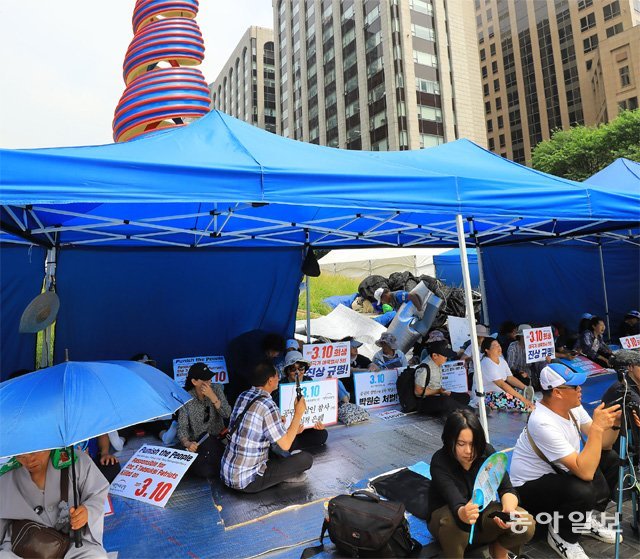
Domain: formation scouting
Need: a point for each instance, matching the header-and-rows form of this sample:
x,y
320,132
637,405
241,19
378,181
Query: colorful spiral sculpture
x,y
160,92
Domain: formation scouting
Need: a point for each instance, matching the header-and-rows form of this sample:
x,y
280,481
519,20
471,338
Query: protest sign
x,y
376,389
581,364
454,376
108,506
217,364
390,414
539,344
458,331
630,342
152,474
321,397
328,360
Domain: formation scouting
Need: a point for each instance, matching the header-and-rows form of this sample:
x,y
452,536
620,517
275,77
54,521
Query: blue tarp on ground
x,y
449,268
21,276
171,303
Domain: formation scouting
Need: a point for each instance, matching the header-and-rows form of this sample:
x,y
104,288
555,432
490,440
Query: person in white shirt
x,y
553,475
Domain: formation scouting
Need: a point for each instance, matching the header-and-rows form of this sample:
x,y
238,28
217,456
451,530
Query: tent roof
x,y
621,174
362,254
221,181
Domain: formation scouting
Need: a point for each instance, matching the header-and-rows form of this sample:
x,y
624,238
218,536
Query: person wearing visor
x,y
551,472
201,420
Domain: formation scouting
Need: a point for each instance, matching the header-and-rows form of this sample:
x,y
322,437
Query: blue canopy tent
x,y
221,183
449,269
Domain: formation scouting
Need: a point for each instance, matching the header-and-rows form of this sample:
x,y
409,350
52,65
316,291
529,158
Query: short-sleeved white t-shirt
x,y
555,436
492,372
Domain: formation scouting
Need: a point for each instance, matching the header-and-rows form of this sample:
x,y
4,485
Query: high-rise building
x,y
377,74
539,62
246,86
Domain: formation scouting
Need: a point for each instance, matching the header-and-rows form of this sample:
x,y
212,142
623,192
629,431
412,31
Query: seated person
x,y
359,363
465,352
517,357
246,465
200,416
499,384
592,344
507,334
292,345
563,342
106,462
451,511
432,398
32,492
296,366
553,475
389,357
630,326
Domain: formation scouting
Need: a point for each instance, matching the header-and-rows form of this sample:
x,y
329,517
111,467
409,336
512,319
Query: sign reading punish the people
x,y
376,389
152,474
216,363
321,398
328,360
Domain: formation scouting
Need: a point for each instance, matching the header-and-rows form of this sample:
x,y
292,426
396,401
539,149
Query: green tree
x,y
581,151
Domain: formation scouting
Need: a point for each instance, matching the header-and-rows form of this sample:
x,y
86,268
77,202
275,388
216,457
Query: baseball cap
x,y
355,343
200,371
441,347
389,339
377,295
587,315
634,314
294,357
292,344
435,336
482,330
522,328
557,374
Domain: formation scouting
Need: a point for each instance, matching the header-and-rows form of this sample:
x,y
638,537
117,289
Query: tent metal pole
x,y
46,358
604,286
468,298
483,289
307,289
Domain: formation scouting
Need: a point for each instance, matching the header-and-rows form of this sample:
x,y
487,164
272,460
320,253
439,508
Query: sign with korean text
x,y
582,364
152,474
216,363
454,376
458,331
630,342
321,397
328,360
376,389
539,344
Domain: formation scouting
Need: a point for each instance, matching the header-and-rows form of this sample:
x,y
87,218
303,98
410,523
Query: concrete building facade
x,y
246,86
377,74
542,66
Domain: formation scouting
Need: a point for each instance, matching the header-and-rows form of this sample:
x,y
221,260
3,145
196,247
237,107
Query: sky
x,y
62,63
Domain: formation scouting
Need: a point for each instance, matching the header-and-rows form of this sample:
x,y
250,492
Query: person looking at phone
x,y
551,472
451,511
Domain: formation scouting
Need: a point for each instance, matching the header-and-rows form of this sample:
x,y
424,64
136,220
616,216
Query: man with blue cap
x,y
554,476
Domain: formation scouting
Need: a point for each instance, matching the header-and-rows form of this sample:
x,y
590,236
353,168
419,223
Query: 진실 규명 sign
x,y
321,397
328,360
152,474
539,344
216,363
376,389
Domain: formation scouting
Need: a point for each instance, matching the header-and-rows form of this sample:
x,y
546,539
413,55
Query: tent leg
x,y
307,289
46,358
483,288
604,288
475,350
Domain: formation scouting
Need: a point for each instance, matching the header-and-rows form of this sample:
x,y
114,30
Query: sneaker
x,y
601,531
529,393
297,479
563,548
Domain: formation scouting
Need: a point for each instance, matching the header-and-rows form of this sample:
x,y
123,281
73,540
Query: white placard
x,y
108,506
376,389
216,363
390,414
454,376
538,344
321,397
630,342
328,360
458,331
152,474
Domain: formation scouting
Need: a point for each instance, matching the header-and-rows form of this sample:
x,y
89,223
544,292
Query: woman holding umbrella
x,y
35,491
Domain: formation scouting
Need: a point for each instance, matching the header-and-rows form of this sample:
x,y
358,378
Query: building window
x,y
625,77
492,49
422,32
611,10
614,30
483,55
429,113
422,6
583,4
630,104
498,103
485,89
494,67
487,107
502,141
590,43
425,58
496,85
500,122
492,144
484,71
429,140
489,125
588,21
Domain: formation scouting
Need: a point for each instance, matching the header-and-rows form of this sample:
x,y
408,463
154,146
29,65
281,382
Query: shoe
x,y
117,442
529,393
297,479
601,531
169,436
563,548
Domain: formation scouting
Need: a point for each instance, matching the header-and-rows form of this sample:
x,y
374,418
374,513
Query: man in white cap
x,y
553,476
395,299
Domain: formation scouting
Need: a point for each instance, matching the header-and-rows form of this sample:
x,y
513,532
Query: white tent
x,y
362,262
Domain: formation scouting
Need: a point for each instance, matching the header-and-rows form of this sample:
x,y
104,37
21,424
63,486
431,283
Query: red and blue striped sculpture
x,y
161,92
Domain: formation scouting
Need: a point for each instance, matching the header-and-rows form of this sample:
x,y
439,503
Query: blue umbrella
x,y
75,401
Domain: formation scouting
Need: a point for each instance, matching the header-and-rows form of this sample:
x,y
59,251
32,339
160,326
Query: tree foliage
x,y
581,151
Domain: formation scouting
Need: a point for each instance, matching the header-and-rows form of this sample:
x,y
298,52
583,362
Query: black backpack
x,y
363,525
406,387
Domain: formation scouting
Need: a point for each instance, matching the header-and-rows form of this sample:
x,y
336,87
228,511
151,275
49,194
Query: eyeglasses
x,y
299,367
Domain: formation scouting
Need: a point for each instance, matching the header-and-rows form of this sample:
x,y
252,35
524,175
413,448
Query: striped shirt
x,y
247,453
